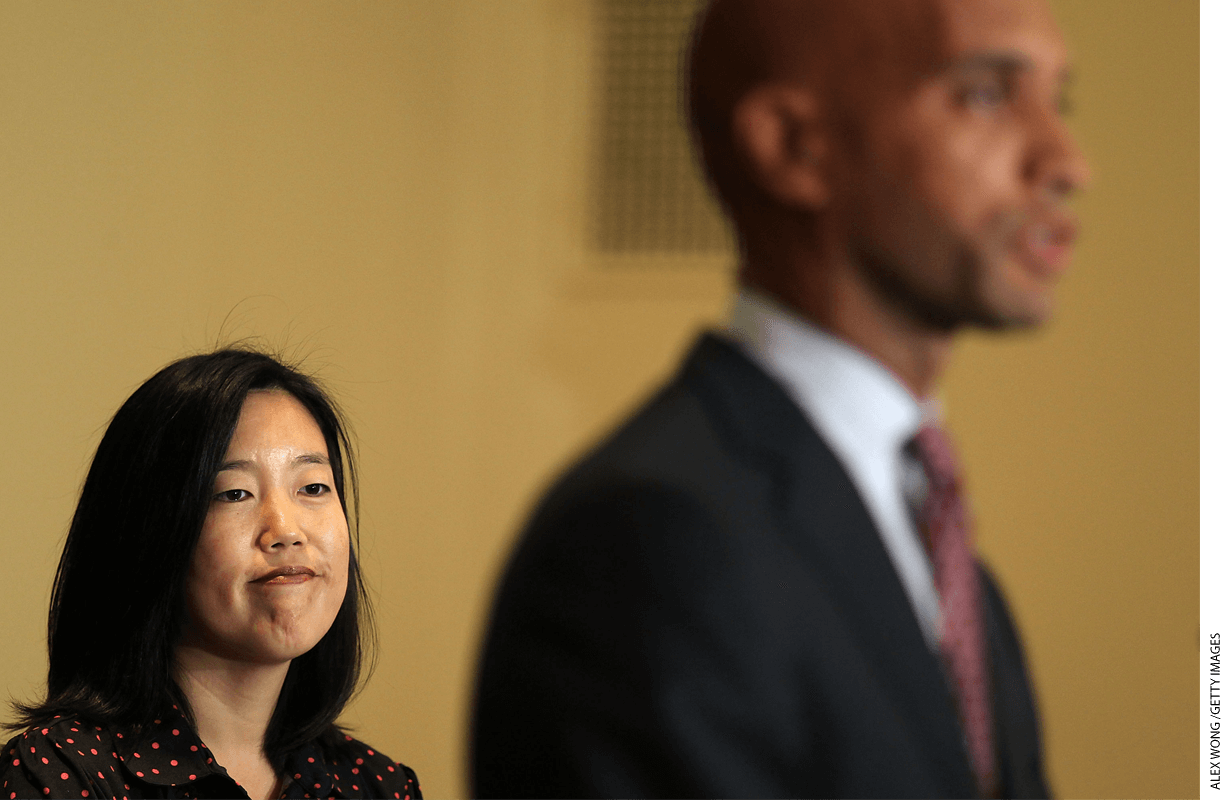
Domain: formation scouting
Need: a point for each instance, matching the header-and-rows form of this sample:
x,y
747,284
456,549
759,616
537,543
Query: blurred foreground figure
x,y
762,584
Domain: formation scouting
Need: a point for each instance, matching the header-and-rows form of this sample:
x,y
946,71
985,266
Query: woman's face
x,y
269,572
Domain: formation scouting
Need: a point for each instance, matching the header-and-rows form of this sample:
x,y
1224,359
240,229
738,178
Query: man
x,y
761,585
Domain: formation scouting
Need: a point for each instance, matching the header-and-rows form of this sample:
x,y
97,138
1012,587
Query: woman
x,y
208,616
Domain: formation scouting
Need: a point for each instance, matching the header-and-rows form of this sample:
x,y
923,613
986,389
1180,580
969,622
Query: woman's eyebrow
x,y
304,458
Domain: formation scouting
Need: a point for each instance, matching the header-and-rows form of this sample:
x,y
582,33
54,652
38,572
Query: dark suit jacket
x,y
702,607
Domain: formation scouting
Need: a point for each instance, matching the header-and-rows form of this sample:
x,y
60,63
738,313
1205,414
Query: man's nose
x,y
1056,162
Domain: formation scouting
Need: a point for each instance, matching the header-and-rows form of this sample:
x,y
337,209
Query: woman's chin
x,y
285,642
264,646
272,631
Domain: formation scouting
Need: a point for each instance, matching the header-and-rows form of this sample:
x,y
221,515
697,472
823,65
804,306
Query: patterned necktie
x,y
959,587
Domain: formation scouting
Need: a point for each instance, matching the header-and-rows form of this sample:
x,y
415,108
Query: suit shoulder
x,y
678,440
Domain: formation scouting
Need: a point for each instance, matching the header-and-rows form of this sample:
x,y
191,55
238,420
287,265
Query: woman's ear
x,y
778,137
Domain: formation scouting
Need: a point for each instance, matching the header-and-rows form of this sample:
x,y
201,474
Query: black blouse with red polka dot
x,y
69,759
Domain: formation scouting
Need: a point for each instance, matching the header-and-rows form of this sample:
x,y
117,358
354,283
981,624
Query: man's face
x,y
956,181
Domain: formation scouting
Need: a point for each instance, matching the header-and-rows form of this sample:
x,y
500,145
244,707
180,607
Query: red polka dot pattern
x,y
38,764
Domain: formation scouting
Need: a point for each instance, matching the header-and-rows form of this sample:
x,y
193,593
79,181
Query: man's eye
x,y
984,96
315,489
232,495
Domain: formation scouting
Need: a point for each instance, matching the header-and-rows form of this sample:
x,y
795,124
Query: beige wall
x,y
396,190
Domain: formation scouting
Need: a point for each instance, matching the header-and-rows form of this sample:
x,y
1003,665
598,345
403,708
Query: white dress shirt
x,y
865,416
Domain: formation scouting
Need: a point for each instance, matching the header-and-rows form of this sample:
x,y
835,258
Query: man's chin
x,y
1022,312
1012,298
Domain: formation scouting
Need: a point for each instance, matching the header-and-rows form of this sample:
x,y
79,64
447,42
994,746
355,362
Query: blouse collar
x,y
170,753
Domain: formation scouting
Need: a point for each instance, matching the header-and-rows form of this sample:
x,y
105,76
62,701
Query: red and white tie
x,y
947,532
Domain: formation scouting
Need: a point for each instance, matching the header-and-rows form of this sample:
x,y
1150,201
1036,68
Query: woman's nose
x,y
279,526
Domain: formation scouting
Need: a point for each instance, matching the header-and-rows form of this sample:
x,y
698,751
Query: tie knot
x,y
936,454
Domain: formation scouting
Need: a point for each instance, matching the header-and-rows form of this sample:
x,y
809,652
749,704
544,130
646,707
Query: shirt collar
x,y
852,399
166,753
169,753
306,767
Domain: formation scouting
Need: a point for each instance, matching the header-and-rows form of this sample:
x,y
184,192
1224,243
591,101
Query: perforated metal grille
x,y
648,192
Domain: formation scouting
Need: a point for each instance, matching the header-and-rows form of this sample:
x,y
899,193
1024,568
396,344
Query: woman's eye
x,y
315,489
232,495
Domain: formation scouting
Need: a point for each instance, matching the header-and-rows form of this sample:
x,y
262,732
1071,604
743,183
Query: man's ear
x,y
779,139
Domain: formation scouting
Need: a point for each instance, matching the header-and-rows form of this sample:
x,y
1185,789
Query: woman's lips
x,y
286,575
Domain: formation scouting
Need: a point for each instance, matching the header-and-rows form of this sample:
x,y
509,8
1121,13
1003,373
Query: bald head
x,y
836,49
740,43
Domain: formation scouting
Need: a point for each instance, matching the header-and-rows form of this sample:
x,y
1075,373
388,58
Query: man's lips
x,y
1046,242
282,575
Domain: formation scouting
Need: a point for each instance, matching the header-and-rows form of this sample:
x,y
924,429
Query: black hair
x,y
117,605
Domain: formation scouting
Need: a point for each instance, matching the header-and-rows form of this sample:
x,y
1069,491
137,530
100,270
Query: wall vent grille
x,y
649,196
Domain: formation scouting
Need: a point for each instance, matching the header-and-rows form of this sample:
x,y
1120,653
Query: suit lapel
x,y
1016,725
827,524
